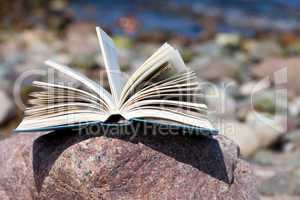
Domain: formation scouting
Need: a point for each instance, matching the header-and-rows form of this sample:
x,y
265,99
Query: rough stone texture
x,y
64,165
16,174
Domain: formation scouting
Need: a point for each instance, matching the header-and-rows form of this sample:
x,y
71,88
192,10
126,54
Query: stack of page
x,y
161,92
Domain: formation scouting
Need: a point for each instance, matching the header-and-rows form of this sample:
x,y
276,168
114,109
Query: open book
x,y
162,91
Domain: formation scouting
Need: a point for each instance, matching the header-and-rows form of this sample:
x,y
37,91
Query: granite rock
x,y
64,165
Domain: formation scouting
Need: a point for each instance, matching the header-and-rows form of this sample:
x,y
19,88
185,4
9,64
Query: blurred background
x,y
233,44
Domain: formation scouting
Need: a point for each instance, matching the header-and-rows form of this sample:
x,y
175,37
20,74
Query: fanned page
x,y
163,89
109,54
92,85
175,100
164,55
60,105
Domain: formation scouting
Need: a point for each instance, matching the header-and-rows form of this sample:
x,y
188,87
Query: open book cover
x,y
162,91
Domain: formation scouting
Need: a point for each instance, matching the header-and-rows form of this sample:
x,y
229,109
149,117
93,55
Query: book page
x,y
171,97
43,114
95,87
62,118
115,77
165,56
58,105
160,114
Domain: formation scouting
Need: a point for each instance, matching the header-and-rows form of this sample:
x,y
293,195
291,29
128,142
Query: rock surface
x,y
64,165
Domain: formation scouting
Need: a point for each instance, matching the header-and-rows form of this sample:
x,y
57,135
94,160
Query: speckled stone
x,y
64,165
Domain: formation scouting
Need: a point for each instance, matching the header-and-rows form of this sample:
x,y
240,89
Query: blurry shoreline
x,y
245,17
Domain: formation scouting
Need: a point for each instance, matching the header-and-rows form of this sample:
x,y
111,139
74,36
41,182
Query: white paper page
x,y
165,53
167,115
84,80
115,77
63,119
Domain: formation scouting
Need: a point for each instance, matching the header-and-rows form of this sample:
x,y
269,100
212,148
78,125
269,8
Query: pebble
x,y
214,68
